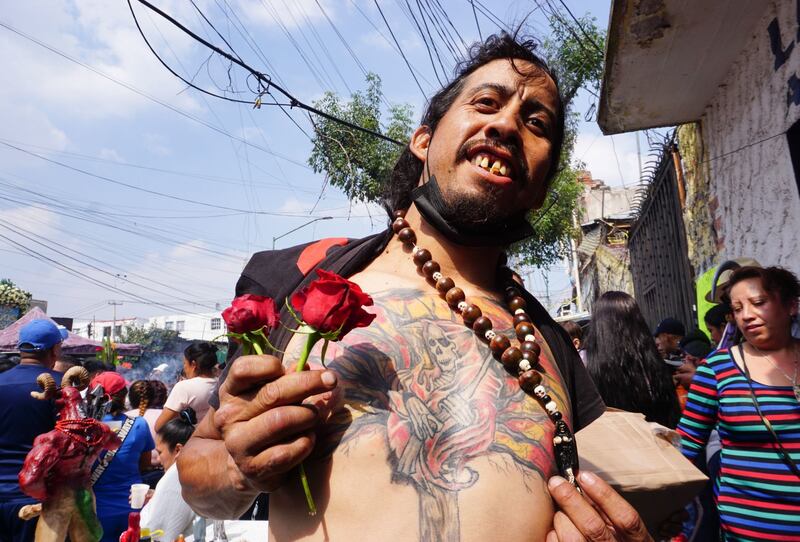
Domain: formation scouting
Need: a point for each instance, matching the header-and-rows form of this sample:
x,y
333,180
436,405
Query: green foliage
x,y
153,340
358,163
576,60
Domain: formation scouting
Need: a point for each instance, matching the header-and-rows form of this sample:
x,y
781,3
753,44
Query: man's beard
x,y
478,211
470,221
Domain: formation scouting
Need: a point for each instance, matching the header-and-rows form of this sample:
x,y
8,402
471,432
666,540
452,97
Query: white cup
x,y
138,495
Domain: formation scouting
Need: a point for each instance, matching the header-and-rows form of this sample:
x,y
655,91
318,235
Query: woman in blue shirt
x,y
112,488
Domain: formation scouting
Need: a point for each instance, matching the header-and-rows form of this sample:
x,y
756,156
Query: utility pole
x,y
576,275
114,325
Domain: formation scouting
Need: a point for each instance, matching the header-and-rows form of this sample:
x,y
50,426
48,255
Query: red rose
x,y
331,303
250,312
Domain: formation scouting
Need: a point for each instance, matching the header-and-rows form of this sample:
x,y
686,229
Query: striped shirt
x,y
757,494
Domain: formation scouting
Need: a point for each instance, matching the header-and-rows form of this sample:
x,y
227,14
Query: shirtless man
x,y
415,432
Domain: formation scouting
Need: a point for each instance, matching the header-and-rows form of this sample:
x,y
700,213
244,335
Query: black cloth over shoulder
x,y
277,274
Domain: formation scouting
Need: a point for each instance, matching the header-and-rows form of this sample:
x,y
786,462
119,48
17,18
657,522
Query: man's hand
x,y
267,418
612,518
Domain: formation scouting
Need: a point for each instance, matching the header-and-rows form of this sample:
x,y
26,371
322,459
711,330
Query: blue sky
x,y
234,177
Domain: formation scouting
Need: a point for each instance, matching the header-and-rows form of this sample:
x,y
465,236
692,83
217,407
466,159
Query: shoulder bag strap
x,y
103,464
786,457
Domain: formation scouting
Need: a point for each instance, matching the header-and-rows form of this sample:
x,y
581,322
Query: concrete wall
x,y
753,194
698,215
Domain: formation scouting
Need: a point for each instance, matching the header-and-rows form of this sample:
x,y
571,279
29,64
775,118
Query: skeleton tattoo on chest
x,y
421,379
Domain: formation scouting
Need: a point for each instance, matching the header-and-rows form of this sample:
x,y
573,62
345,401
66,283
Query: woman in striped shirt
x,y
752,394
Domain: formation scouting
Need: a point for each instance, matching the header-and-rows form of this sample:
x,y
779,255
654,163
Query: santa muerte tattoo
x,y
433,388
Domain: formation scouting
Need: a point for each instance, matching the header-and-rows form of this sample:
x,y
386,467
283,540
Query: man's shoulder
x,y
26,374
271,272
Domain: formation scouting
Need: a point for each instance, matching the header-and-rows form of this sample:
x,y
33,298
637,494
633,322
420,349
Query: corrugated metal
x,y
590,242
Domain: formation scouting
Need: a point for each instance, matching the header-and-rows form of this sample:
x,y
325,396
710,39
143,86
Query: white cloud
x,y
606,158
99,34
157,144
111,154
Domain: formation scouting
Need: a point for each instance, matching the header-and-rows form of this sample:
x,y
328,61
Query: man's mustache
x,y
512,149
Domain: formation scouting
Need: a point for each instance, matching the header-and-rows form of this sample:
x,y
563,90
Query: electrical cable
x,y
580,26
146,190
405,59
265,79
18,230
194,176
425,41
147,96
76,273
475,15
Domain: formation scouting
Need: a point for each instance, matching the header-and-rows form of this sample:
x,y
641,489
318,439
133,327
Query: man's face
x,y
491,150
667,343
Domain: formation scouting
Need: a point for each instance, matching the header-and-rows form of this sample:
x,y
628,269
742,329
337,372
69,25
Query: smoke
x,y
151,367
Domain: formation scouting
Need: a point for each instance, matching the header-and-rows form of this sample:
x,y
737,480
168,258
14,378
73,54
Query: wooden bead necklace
x,y
522,360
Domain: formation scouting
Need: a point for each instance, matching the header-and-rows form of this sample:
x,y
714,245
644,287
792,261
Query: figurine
x,y
57,470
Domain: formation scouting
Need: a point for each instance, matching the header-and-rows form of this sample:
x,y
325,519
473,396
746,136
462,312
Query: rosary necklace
x,y
522,360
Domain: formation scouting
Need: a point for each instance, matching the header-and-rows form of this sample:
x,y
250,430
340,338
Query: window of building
x,y
179,325
117,331
106,331
216,323
169,325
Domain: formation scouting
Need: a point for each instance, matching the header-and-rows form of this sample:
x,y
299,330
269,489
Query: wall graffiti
x,y
781,54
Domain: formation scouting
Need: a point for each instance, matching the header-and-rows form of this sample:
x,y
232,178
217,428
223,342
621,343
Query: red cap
x,y
112,382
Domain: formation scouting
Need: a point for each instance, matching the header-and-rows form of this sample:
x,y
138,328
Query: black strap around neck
x,y
786,457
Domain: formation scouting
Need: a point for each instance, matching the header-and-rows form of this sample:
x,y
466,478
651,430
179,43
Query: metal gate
x,y
662,277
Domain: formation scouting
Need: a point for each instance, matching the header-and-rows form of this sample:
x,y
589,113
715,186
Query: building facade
x,y
737,107
195,327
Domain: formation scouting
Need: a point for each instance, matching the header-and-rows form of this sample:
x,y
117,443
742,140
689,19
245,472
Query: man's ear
x,y
420,140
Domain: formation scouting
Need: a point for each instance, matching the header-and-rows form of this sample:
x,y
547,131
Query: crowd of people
x,y
152,423
733,396
430,423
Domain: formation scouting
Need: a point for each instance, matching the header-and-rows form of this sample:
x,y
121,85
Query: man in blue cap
x,y
23,418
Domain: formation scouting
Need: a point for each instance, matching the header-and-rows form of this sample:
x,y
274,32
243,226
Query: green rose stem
x,y
311,340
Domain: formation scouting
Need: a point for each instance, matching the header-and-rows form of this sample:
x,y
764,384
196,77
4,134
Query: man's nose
x,y
503,126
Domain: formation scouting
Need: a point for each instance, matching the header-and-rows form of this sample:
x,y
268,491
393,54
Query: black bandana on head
x,y
428,200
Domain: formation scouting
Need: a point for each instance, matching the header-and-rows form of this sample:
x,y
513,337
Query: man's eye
x,y
489,102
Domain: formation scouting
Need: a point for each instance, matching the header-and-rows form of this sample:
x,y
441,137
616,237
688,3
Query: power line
x,y
76,273
147,96
400,49
264,79
475,15
32,237
140,189
191,175
580,26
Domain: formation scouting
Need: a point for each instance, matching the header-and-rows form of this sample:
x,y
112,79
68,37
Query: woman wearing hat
x,y
115,473
752,393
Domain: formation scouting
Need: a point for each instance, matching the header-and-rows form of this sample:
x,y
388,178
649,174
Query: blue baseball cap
x,y
39,335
